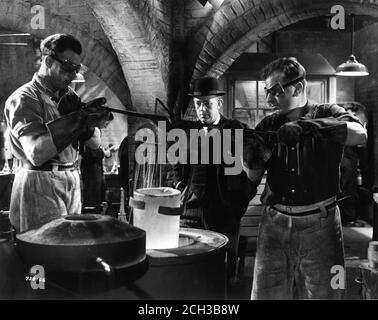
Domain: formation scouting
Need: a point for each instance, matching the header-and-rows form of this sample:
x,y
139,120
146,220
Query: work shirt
x,y
27,111
307,172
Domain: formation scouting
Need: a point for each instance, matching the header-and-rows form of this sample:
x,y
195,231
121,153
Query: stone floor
x,y
356,242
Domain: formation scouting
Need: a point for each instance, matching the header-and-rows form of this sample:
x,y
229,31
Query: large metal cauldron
x,y
196,269
83,243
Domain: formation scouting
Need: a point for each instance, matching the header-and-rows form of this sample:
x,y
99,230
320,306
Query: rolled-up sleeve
x,y
30,137
25,116
341,114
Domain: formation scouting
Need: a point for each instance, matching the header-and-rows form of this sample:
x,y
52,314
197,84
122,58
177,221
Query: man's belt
x,y
50,167
306,210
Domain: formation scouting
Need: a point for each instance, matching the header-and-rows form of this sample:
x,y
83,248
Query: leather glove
x,y
95,105
327,128
255,152
92,112
97,119
70,102
95,113
66,129
87,134
290,133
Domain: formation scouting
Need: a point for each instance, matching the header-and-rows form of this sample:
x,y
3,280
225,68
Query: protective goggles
x,y
278,88
67,65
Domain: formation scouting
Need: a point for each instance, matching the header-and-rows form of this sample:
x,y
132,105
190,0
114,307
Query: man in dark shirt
x,y
352,191
300,237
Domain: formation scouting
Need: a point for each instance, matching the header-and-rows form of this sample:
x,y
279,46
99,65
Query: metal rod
x,y
139,114
164,118
14,34
253,131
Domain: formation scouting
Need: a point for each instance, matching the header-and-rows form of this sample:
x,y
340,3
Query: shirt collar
x,y
42,84
217,120
296,113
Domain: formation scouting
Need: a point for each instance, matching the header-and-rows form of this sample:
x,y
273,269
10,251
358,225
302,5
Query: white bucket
x,y
152,213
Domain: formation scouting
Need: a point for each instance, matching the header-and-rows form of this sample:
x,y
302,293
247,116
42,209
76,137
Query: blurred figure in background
x,y
351,178
92,172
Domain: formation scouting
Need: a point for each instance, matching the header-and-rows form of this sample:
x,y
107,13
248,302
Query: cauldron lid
x,y
81,230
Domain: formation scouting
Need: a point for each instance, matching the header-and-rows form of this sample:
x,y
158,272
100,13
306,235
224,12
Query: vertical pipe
x,y
352,35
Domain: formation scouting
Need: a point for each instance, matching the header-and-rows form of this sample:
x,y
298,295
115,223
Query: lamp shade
x,y
352,68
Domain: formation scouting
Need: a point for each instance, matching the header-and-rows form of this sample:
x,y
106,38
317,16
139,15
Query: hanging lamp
x,y
7,35
352,68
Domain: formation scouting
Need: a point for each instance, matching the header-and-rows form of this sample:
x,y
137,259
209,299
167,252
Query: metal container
x,y
83,243
369,281
194,270
6,230
373,254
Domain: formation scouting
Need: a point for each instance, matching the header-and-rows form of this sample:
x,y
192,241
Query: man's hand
x,y
93,140
114,148
255,152
95,105
95,113
107,152
375,197
321,128
70,102
290,133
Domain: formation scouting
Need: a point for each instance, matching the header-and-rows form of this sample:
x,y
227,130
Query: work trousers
x,y
41,196
299,257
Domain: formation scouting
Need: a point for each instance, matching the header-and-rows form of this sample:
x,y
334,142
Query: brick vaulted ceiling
x,y
137,37
127,42
239,23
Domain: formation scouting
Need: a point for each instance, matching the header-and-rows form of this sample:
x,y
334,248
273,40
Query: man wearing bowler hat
x,y
217,201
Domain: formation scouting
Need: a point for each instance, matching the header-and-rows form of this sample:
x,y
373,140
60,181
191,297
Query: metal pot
x,y
83,243
6,230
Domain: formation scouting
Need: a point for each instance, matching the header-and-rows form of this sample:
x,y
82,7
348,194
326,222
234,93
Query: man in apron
x,y
46,120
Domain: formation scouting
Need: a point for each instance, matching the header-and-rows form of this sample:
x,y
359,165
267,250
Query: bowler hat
x,y
206,86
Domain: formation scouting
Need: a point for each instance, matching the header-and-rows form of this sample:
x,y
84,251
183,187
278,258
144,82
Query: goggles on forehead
x,y
278,88
67,65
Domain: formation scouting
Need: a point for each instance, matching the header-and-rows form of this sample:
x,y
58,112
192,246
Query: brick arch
x,y
16,15
123,23
218,46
